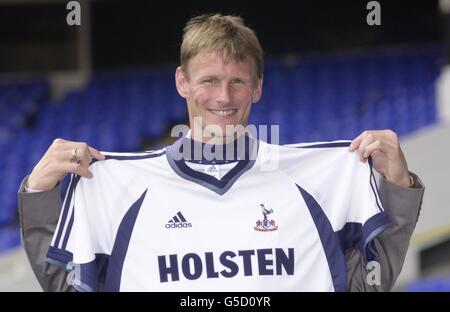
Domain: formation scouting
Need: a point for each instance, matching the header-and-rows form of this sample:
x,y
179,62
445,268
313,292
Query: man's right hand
x,y
58,161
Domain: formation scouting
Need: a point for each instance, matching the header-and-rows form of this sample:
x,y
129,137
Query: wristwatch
x,y
412,183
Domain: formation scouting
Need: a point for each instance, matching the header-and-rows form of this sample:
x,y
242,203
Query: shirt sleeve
x,y
365,218
346,191
80,242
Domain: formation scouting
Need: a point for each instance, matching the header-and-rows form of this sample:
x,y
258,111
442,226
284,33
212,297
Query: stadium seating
x,y
436,284
318,98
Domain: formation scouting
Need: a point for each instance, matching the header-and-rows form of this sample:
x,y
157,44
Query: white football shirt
x,y
281,222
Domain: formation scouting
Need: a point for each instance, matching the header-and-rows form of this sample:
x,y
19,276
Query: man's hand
x,y
388,158
58,161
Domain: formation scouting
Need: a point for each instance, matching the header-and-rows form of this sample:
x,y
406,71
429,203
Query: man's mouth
x,y
223,112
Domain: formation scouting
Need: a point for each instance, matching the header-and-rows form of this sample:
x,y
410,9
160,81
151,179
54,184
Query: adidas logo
x,y
178,221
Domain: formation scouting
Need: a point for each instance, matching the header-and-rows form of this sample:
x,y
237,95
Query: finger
x,y
369,139
355,143
89,153
377,134
371,149
78,169
84,172
84,155
79,153
96,154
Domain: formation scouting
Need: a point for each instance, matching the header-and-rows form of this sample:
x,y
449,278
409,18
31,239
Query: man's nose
x,y
224,95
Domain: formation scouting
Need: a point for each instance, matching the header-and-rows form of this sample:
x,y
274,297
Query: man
x,y
314,223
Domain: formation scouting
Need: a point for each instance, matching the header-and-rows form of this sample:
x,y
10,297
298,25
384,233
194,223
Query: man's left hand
x,y
387,156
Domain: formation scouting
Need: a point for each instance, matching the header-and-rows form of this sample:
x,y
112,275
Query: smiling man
x,y
219,90
167,221
221,74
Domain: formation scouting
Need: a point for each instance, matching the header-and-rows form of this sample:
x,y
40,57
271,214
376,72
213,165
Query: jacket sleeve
x,y
402,205
39,214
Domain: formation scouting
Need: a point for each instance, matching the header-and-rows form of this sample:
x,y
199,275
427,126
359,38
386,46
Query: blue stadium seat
x,y
319,98
438,284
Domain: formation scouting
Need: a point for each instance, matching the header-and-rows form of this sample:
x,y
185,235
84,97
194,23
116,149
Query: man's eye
x,y
210,80
237,81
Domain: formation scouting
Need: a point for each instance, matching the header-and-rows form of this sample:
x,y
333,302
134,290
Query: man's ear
x,y
257,92
181,82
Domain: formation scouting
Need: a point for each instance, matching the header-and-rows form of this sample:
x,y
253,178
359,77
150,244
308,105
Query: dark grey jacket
x,y
39,213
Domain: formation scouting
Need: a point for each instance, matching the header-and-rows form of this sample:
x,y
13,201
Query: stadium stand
x,y
318,98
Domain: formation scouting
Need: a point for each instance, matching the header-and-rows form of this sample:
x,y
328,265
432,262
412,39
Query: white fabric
x,y
216,242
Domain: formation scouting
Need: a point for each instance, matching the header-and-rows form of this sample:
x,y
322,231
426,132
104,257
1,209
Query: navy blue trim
x,y
204,161
62,256
355,235
206,178
134,157
371,229
221,186
66,208
85,276
350,236
119,252
68,230
374,188
196,149
330,242
323,145
130,157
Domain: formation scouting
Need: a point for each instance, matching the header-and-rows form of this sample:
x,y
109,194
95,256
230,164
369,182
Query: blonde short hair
x,y
226,35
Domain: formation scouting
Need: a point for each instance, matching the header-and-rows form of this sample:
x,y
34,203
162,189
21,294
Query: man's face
x,y
219,92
